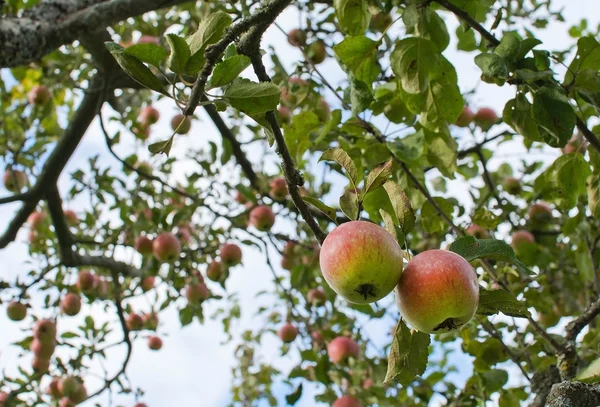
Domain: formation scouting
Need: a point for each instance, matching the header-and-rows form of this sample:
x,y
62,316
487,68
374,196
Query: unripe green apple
x,y
540,213
147,283
143,245
322,110
297,37
71,304
44,330
80,394
380,21
37,220
134,322
316,297
361,261
166,247
262,218
316,52
477,232
68,386
278,189
438,292
39,95
512,185
155,343
150,321
342,348
485,118
181,124
16,311
149,115
287,333
231,254
40,366
214,271
42,349
196,292
14,180
346,401
86,281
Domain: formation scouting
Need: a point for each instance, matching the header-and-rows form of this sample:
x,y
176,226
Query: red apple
x,y
141,132
438,292
521,239
346,401
40,366
278,189
147,283
71,217
14,180
3,398
66,402
297,37
134,322
240,198
140,405
42,349
53,389
196,292
214,271
16,311
485,118
231,254
149,115
540,213
36,220
361,261
149,39
166,247
316,297
143,245
262,218
287,333
44,330
150,321
477,232
316,52
181,124
342,348
86,281
71,304
285,114
367,383
155,343
39,95
466,117
102,288
317,336
512,185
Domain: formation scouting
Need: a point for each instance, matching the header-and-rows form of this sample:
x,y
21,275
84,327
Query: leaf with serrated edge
x,y
180,53
493,301
388,223
378,176
408,354
252,98
342,158
327,210
349,204
401,203
150,53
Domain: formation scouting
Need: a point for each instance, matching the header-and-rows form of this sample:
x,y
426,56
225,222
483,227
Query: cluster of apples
x,y
297,93
436,292
38,223
165,247
315,52
485,118
69,390
43,345
149,115
149,321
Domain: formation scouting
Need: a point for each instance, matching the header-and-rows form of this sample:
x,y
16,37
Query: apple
x,y
297,37
380,21
143,245
285,114
477,232
134,322
341,348
316,297
150,321
36,220
140,405
71,217
102,287
288,263
466,117
40,366
262,218
141,132
143,167
181,124
3,398
438,291
361,261
317,336
196,292
42,349
576,144
14,180
346,401
521,239
278,189
147,283
367,383
155,343
511,185
295,91
68,386
71,304
149,39
184,235
39,95
485,118
66,402
540,213
316,52
231,254
16,311
44,330
322,110
149,115
80,394
86,281
214,271
53,389
287,333
240,198
166,247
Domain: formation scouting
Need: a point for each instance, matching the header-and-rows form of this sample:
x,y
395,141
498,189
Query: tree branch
x,y
460,13
576,326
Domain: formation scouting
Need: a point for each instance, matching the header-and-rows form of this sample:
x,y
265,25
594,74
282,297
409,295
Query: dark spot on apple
x,y
448,324
366,290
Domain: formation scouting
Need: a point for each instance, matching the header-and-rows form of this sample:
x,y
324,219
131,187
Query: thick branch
x,y
577,325
460,13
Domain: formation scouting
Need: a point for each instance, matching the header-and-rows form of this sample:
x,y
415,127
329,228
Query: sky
x,y
194,366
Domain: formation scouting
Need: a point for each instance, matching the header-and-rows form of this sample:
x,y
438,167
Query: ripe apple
x,y
181,124
262,218
485,118
231,254
71,217
316,297
155,343
361,261
317,336
342,348
40,366
477,232
297,37
149,39
150,321
66,402
166,247
14,180
42,349
53,389
285,114
287,333
214,271
576,144
520,240
16,311
322,110
147,283
86,281
278,189
71,304
37,220
437,292
240,198
316,52
44,330
184,235
380,21
540,213
346,401
512,185
367,383
3,398
149,115
196,292
68,386
466,117
39,95
143,245
134,322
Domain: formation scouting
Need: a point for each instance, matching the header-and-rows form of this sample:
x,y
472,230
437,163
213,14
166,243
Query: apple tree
x,y
389,178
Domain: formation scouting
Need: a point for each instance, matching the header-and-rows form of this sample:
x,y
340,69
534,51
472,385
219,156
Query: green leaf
x,y
565,180
408,355
472,249
409,148
360,97
136,69
261,119
493,380
590,374
327,210
180,53
442,151
583,261
426,23
431,220
378,176
554,115
389,224
342,158
494,301
493,68
401,204
349,204
353,16
527,45
359,56
509,47
149,53
517,114
593,193
588,57
210,30
252,98
297,135
186,316
292,398
226,71
413,61
161,147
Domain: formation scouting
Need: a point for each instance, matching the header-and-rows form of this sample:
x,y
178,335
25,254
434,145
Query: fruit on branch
x,y
511,185
367,383
477,232
80,394
520,240
102,288
346,401
143,245
540,213
297,37
361,261
485,118
166,247
184,234
149,115
316,52
16,311
149,39
68,386
278,189
316,297
322,110
3,398
196,292
241,198
42,349
380,21
37,220
285,114
231,254
86,281
71,304
576,144
262,218
214,271
155,343
40,366
53,389
287,333
14,180
438,292
295,91
150,321
181,124
39,95
141,132
466,117
134,322
71,217
341,348
66,402
317,336
44,330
